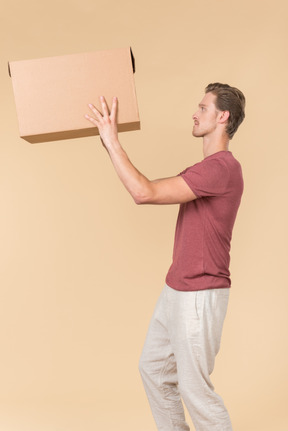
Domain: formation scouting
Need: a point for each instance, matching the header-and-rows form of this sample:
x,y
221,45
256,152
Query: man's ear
x,y
224,116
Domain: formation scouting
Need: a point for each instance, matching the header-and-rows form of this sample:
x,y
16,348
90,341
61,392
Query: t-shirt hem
x,y
187,288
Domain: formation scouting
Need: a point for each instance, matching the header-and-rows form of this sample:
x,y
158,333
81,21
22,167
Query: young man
x,y
185,331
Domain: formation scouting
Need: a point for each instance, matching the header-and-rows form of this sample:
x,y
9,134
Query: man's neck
x,y
214,146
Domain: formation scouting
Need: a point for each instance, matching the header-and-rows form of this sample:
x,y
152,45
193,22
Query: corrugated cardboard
x,y
52,94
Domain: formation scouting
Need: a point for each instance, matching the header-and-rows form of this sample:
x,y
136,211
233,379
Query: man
x,y
185,331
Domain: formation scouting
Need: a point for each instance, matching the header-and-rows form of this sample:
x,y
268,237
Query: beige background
x,y
82,265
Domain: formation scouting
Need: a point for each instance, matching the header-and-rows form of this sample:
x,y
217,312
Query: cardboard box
x,y
52,94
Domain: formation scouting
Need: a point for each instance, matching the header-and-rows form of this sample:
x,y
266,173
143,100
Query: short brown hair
x,y
229,99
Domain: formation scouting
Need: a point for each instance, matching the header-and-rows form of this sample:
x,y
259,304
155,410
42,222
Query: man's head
x,y
229,99
221,106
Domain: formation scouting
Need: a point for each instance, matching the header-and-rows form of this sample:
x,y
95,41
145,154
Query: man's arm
x,y
172,190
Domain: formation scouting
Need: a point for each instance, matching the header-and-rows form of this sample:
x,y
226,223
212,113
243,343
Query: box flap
x,y
133,60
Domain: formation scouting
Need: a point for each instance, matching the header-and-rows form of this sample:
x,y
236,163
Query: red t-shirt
x,y
203,234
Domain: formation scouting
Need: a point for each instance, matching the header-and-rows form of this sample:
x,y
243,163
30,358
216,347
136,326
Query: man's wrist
x,y
113,145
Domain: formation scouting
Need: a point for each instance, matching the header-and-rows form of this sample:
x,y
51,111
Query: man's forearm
x,y
135,182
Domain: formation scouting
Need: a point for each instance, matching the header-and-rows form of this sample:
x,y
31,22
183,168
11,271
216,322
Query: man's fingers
x,y
105,110
94,110
114,109
104,106
93,120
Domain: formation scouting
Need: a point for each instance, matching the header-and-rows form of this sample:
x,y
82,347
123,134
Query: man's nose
x,y
194,116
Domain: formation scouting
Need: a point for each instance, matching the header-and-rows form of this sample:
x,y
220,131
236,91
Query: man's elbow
x,y
144,194
142,198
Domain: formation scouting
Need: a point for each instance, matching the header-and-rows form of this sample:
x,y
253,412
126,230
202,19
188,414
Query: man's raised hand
x,y
105,122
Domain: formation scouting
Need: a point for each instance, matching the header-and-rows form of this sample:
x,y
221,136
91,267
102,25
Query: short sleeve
x,y
207,178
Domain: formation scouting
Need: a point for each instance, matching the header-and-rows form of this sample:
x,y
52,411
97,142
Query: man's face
x,y
205,118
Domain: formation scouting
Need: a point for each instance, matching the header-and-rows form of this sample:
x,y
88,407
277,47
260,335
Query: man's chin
x,y
196,134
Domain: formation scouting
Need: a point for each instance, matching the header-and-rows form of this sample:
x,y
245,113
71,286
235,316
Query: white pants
x,y
178,358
